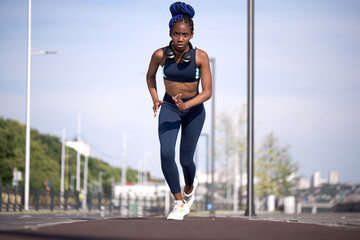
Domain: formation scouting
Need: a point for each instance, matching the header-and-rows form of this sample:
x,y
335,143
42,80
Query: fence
x,y
12,200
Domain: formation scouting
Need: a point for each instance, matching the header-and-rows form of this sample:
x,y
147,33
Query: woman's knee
x,y
167,155
187,163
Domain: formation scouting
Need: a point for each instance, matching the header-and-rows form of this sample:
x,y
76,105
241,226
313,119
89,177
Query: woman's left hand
x,y
182,106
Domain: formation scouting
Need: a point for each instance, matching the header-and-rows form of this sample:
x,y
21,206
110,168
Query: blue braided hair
x,y
182,12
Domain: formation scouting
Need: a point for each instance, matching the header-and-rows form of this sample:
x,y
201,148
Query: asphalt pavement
x,y
224,226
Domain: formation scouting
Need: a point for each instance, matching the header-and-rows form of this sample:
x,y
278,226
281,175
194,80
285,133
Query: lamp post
x,y
123,157
212,210
28,85
250,211
207,166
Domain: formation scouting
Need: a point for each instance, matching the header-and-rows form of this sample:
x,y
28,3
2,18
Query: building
x,y
333,177
304,183
316,179
150,190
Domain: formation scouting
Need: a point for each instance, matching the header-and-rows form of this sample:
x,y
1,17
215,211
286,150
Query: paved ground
x,y
264,226
327,219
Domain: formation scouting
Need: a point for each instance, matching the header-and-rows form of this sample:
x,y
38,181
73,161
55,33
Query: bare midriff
x,y
186,89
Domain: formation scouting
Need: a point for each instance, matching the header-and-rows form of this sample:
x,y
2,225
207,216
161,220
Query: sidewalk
x,y
327,219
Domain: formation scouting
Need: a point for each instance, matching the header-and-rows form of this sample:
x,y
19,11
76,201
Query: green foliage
x,y
45,159
273,168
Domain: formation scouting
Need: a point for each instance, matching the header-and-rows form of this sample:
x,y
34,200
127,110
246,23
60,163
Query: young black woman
x,y
183,66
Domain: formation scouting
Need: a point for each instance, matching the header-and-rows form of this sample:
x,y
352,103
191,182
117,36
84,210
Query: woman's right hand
x,y
156,106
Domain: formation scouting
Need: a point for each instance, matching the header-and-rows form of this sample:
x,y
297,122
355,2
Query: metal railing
x,y
126,204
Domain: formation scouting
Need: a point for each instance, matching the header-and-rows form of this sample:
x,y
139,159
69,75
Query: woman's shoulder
x,y
158,56
159,53
201,56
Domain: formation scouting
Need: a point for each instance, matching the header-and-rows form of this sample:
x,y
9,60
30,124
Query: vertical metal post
x,y
85,191
1,193
78,157
27,138
62,167
123,154
207,168
250,211
212,210
37,199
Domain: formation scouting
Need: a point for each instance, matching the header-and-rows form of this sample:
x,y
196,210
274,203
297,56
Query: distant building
x,y
316,179
149,190
333,177
304,183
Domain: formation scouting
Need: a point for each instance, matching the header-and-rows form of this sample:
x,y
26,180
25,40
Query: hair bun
x,y
182,8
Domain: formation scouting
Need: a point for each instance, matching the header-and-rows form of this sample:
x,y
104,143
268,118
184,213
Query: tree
x,y
273,168
230,148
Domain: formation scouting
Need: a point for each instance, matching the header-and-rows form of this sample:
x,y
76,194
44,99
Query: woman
x,y
182,104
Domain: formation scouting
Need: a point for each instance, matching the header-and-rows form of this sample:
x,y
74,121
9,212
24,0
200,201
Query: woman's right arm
x,y
151,78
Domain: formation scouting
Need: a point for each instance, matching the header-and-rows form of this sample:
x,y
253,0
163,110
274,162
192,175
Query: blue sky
x,y
306,73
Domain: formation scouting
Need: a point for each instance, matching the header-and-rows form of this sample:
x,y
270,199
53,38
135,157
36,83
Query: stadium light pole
x,y
212,210
27,131
250,211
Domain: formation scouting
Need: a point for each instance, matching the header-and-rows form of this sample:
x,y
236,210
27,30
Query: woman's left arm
x,y
202,61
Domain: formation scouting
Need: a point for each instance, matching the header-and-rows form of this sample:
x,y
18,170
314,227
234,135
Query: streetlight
x,y
27,137
212,210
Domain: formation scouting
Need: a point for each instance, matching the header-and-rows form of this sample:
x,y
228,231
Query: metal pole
x,y
140,172
100,181
250,211
27,140
207,166
85,191
144,169
78,158
212,210
62,167
123,153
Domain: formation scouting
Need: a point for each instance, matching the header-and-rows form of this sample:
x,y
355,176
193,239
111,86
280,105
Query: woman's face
x,y
180,34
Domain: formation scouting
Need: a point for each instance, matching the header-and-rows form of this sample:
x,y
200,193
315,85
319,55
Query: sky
x,y
307,58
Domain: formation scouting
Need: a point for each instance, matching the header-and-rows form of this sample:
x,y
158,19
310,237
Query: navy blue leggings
x,y
191,122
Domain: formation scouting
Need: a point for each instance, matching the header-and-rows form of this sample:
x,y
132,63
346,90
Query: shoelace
x,y
178,205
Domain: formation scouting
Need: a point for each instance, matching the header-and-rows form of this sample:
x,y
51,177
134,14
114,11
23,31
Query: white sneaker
x,y
179,211
191,196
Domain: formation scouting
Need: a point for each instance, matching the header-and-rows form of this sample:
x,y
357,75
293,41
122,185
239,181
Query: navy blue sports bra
x,y
181,72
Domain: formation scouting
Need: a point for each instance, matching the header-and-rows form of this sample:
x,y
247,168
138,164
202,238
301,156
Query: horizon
x,y
306,74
